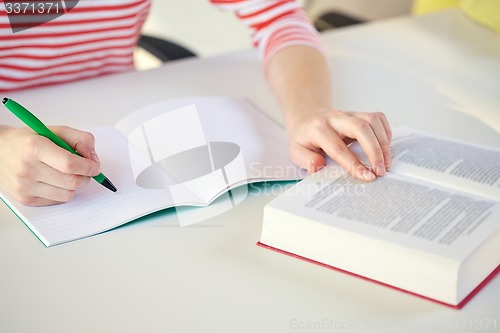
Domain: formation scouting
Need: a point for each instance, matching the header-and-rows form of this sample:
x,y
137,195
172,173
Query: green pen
x,y
35,124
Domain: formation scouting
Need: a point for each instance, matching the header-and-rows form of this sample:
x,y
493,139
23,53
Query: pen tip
x,y
109,185
4,100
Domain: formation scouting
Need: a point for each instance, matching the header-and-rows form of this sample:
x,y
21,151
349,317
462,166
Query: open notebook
x,y
185,152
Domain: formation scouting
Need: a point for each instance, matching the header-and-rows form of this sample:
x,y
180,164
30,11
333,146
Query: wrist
x,y
295,118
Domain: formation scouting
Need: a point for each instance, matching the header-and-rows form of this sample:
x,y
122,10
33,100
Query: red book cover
x,y
457,306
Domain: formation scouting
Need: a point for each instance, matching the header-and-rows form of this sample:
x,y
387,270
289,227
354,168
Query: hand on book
x,y
332,132
36,172
300,79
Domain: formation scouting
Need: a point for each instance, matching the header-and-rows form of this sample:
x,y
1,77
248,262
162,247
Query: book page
x,y
397,209
448,162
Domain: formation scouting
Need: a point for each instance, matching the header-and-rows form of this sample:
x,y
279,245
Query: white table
x,y
438,73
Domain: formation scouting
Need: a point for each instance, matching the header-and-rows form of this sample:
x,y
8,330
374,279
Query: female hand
x,y
300,78
331,132
37,172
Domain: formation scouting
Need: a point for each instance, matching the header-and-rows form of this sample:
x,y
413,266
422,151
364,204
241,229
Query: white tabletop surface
x,y
439,73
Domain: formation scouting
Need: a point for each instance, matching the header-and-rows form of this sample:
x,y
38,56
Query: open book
x,y
431,226
185,152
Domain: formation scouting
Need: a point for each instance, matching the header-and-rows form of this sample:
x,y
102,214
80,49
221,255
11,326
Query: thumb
x,y
82,142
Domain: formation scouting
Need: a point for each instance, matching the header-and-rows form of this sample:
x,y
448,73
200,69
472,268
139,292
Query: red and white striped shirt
x,y
98,37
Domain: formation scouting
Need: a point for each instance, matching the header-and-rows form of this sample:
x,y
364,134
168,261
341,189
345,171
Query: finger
x,y
387,126
50,176
378,122
388,132
82,142
371,146
48,194
34,193
36,202
334,147
362,131
306,158
61,159
384,134
40,172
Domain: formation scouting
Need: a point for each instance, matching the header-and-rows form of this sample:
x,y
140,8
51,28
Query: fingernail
x,y
312,166
380,169
368,175
387,161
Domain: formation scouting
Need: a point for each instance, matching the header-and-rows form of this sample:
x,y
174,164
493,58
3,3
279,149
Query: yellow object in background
x,y
429,6
486,12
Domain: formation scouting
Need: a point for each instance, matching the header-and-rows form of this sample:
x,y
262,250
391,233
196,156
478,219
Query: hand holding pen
x,y
45,168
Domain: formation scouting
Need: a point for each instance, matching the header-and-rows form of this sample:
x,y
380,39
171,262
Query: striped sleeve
x,y
275,24
93,38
